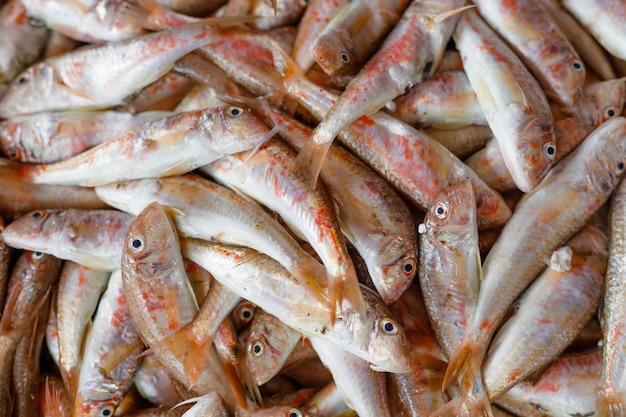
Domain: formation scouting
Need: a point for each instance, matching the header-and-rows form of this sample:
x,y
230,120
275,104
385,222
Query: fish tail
x,y
192,350
463,406
308,164
341,288
609,404
464,365
70,380
52,396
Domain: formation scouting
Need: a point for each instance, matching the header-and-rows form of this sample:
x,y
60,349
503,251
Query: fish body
x,y
167,146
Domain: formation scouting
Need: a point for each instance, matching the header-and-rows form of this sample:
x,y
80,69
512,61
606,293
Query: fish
x,y
92,238
514,104
161,300
584,179
163,147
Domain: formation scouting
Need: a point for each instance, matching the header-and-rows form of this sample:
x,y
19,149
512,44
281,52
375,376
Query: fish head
x,y
97,402
535,152
262,357
24,94
335,52
25,140
379,333
396,267
11,134
567,71
601,101
32,230
452,216
233,129
151,246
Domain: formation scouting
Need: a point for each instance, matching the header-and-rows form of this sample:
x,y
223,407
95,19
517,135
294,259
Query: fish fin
x,y
443,16
517,93
464,364
117,354
193,351
309,273
93,261
6,321
350,289
308,164
463,406
173,309
178,168
70,379
609,404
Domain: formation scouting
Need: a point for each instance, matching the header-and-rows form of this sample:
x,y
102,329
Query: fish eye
x,y
246,313
22,80
549,149
13,153
441,210
577,65
258,349
106,411
36,215
294,412
37,255
136,244
389,326
345,58
610,112
409,267
235,111
620,166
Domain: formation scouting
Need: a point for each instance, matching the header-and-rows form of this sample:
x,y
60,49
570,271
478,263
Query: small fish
x,y
92,238
514,104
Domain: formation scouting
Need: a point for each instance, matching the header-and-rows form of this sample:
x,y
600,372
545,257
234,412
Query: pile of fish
x,y
326,208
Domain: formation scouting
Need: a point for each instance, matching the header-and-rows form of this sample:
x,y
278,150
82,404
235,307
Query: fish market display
x,y
181,235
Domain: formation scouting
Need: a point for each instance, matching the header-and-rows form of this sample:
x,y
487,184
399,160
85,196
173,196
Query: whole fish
x,y
93,238
77,296
161,300
602,18
584,179
265,175
410,53
536,39
51,137
355,32
513,102
78,79
375,337
213,212
111,354
168,146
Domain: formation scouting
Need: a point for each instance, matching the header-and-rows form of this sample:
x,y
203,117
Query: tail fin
x,y
309,274
308,163
463,406
465,363
610,404
350,289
